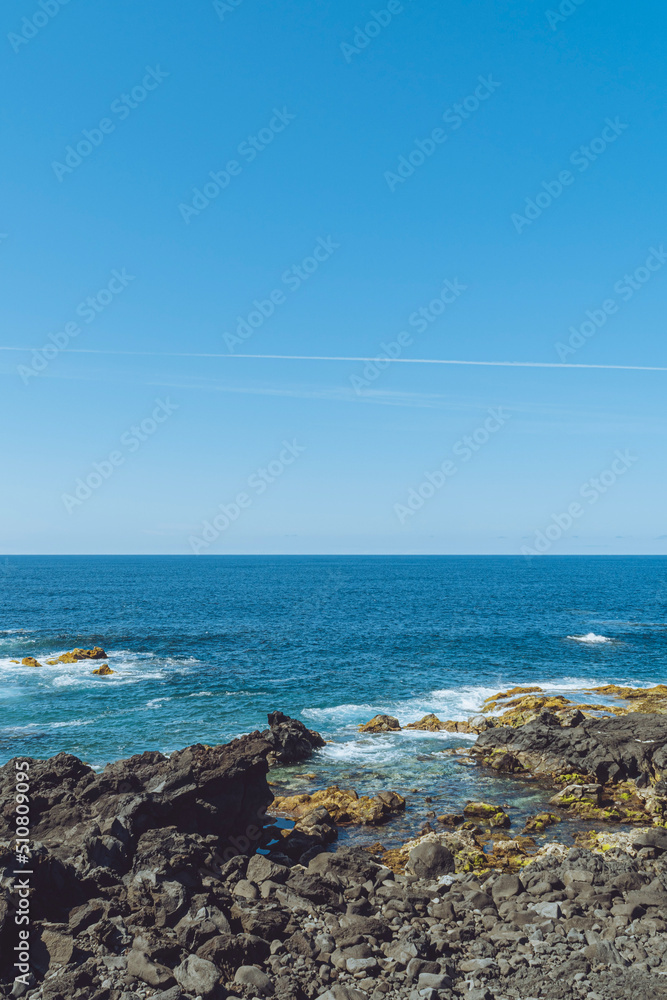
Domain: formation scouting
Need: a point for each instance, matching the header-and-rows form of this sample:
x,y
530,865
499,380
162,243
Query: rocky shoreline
x,y
145,880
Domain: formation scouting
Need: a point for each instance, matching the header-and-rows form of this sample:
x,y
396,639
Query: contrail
x,y
322,357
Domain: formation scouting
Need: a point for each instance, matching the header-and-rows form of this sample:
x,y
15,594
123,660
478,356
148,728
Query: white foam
x,y
156,702
590,637
67,725
342,713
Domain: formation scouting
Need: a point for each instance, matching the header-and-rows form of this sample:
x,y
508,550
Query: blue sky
x,y
183,184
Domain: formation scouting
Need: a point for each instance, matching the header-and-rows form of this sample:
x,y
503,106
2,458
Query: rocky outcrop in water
x,y
96,653
381,724
610,748
343,805
609,768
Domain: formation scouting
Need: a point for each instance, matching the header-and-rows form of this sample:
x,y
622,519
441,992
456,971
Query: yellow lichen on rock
x,y
344,805
431,723
104,670
653,699
486,814
540,822
30,661
492,702
96,653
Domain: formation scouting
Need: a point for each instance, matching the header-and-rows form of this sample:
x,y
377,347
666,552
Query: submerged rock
x,y
381,724
540,822
487,814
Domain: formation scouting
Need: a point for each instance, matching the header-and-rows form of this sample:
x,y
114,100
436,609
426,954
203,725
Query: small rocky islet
x,y
176,878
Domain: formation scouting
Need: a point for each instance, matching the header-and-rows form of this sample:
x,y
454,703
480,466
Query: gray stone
x,y
430,859
339,992
550,911
604,953
476,965
175,993
199,977
152,973
433,980
250,975
245,890
260,869
418,965
367,965
652,838
505,887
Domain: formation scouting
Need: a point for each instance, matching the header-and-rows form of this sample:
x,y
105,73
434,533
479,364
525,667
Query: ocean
x,y
203,648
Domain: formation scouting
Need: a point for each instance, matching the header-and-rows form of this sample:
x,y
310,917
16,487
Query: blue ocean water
x,y
203,648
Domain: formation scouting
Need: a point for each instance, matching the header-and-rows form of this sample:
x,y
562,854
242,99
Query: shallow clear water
x,y
204,648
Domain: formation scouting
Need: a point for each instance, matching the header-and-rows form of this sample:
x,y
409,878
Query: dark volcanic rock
x,y
290,740
139,839
610,748
139,894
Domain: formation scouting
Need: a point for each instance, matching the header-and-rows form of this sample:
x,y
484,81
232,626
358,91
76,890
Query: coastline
x,y
147,877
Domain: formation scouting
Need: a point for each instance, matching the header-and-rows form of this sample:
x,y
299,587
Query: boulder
x,y
506,887
430,859
250,975
104,670
199,977
290,741
149,972
30,661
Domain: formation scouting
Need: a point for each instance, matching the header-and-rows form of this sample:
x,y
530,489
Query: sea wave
x,y
591,638
157,702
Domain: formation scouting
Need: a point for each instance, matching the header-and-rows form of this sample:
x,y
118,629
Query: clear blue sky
x,y
518,154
